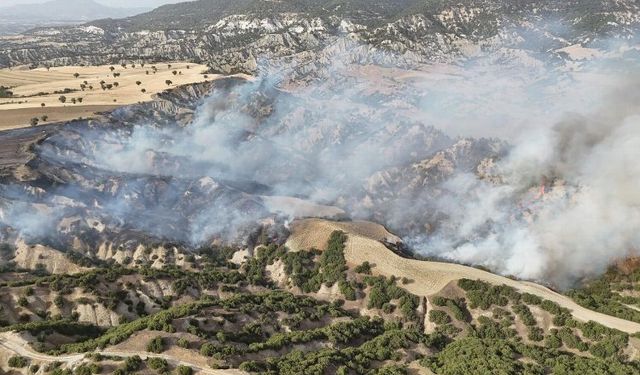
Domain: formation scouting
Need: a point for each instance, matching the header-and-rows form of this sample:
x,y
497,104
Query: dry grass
x,y
34,87
428,278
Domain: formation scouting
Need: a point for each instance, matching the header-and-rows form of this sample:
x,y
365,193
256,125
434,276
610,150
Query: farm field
x,y
70,92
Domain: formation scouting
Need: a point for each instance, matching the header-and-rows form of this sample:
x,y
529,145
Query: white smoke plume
x,y
567,204
558,204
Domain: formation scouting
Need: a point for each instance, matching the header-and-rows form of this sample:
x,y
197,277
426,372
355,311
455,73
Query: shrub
x,y
332,262
132,364
156,345
184,370
457,309
439,317
348,290
158,364
439,301
531,299
525,315
183,343
18,362
553,341
364,268
536,334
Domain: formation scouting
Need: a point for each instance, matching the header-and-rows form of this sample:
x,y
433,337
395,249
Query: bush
x,y
439,317
332,262
158,364
348,290
457,309
184,370
183,343
132,364
88,369
156,345
536,334
553,341
531,299
18,362
439,301
364,268
525,315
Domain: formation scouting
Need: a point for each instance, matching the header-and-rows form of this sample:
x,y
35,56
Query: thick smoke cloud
x,y
556,198
567,204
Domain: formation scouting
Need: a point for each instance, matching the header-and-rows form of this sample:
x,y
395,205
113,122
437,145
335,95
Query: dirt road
x,y
13,343
428,277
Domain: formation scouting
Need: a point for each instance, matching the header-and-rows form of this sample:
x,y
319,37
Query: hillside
x,y
287,311
233,36
152,257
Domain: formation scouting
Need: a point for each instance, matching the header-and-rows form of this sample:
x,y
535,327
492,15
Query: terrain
x,y
271,296
19,18
237,37
67,93
333,187
311,309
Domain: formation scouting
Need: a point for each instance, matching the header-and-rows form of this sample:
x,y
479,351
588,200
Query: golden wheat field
x,y
70,92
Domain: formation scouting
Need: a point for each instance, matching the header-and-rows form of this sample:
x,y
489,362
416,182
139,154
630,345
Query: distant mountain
x,y
65,10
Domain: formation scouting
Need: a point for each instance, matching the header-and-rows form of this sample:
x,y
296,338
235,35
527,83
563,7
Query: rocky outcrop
x,y
242,37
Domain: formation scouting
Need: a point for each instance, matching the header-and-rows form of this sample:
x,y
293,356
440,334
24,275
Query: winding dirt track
x,y
12,342
364,244
428,277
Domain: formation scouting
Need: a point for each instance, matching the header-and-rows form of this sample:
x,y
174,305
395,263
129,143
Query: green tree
x,y
156,345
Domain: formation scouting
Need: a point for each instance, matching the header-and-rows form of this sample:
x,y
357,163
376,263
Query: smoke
x,y
549,194
567,205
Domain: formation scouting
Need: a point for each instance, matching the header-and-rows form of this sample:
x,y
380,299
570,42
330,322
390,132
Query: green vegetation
x,y
184,370
456,307
384,291
120,333
159,364
484,295
439,317
132,364
18,362
88,369
156,345
308,270
364,268
605,294
473,355
332,262
236,316
356,360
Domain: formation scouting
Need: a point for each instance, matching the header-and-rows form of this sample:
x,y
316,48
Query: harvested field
x,y
18,118
87,89
428,278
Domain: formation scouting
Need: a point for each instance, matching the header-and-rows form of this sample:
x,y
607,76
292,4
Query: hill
x,y
286,311
233,36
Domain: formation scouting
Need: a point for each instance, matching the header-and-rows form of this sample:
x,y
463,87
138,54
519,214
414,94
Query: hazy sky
x,y
114,3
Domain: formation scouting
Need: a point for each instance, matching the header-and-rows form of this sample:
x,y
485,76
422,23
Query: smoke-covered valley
x,y
525,169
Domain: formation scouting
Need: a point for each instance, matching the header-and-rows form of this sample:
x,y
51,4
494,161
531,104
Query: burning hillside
x,y
250,155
